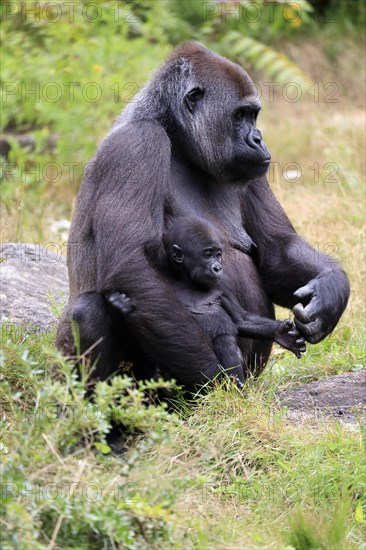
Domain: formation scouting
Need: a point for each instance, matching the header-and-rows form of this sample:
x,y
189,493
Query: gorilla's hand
x,y
322,302
289,338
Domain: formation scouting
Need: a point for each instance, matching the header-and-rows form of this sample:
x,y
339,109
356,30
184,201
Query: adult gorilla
x,y
187,145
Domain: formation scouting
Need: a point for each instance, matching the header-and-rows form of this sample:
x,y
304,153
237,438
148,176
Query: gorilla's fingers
x,y
304,291
308,329
313,307
316,338
121,302
301,345
301,313
285,326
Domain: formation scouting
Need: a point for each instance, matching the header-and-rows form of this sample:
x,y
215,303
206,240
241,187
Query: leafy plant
x,y
60,481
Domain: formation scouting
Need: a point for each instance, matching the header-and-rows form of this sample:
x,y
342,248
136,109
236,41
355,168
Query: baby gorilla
x,y
193,249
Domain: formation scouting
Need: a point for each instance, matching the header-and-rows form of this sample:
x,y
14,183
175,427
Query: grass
x,y
224,472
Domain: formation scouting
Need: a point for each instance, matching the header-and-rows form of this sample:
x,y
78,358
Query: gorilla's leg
x,y
103,337
230,357
257,358
99,338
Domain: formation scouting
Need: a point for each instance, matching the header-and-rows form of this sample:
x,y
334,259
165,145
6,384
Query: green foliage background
x,y
66,74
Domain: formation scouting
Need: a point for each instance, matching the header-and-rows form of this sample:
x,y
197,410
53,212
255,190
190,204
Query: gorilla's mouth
x,y
208,281
262,162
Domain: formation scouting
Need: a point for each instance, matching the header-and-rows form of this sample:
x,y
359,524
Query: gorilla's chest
x,y
190,194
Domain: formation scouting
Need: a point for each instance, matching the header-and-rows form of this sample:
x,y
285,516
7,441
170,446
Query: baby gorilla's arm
x,y
254,326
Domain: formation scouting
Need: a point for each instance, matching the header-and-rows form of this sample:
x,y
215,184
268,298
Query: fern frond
x,y
274,64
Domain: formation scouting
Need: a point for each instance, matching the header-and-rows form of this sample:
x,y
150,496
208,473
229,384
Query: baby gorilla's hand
x,y
289,338
121,302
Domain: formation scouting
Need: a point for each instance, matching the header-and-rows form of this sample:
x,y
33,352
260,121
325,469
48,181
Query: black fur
x,y
172,153
194,254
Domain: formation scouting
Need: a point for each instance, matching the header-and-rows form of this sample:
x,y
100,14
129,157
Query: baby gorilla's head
x,y
194,249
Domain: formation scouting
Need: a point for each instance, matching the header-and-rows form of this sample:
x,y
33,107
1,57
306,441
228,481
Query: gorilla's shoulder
x,y
132,150
135,138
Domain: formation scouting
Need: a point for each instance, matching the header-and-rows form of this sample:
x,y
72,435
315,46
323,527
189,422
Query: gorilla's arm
x,y
132,169
293,273
254,326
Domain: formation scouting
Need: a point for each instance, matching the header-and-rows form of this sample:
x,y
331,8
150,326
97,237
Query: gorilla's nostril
x,y
254,138
257,137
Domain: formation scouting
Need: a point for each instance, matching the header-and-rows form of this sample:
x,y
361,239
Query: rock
x,y
33,283
342,396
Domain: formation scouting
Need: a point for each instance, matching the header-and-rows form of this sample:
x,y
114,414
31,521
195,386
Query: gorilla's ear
x,y
177,254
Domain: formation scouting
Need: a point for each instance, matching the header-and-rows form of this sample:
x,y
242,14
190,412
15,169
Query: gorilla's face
x,y
217,115
250,158
194,248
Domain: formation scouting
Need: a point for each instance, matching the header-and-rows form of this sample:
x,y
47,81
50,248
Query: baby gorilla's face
x,y
204,264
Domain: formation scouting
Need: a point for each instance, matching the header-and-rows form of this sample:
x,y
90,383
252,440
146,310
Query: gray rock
x,y
342,396
33,284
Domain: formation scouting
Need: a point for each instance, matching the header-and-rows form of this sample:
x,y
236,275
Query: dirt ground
x,y
342,397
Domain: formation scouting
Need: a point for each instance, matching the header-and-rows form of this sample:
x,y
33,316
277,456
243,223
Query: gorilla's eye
x,y
207,253
195,94
246,112
240,114
193,97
